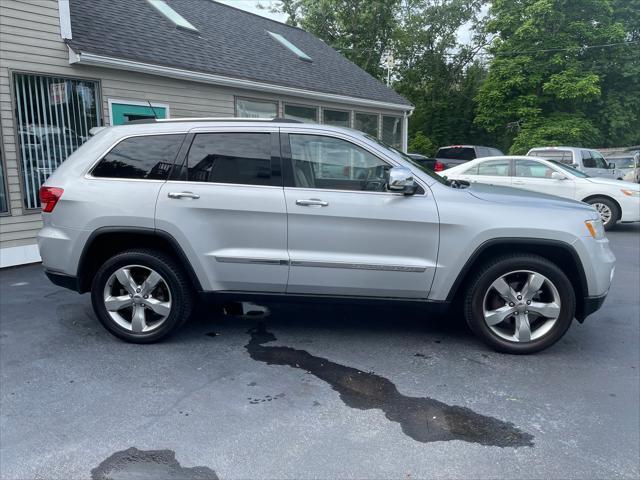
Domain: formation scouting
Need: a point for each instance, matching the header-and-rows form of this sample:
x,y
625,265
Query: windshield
x,y
569,169
456,153
397,153
622,162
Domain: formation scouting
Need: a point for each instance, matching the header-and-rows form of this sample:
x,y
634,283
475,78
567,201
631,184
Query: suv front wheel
x,y
141,295
520,303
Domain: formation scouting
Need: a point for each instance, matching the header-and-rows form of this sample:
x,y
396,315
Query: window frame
x,y
175,176
254,99
287,163
316,107
5,183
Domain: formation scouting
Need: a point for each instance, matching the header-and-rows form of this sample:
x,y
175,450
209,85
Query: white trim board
x,y
138,103
64,13
12,256
83,58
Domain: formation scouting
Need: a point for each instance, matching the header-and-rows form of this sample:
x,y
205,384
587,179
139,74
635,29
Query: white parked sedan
x,y
614,199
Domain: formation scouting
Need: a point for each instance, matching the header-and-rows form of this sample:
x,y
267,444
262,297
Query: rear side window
x,y
456,153
496,168
239,158
146,157
562,156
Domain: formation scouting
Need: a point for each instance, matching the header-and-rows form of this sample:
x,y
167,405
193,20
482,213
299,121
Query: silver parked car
x,y
586,160
149,217
628,163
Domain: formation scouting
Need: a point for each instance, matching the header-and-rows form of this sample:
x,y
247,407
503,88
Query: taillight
x,y
49,197
438,167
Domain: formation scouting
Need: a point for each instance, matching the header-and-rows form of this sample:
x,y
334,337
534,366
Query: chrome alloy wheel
x,y
137,298
604,211
521,306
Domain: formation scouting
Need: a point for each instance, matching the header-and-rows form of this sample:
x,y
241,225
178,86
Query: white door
x,y
491,172
226,208
349,236
536,176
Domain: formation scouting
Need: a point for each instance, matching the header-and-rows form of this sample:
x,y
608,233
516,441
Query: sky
x,y
464,33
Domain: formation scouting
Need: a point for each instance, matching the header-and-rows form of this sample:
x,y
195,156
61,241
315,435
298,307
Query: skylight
x,y
171,14
299,53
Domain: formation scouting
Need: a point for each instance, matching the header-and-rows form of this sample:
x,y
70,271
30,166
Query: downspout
x,y
405,130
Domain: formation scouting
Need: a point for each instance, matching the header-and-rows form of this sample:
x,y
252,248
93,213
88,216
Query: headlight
x,y
630,193
595,228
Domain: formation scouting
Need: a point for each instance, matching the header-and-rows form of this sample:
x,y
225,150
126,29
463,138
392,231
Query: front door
x,y
225,206
536,176
595,165
347,235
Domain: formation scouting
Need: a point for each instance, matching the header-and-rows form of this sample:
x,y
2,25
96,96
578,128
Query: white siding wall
x,y
30,42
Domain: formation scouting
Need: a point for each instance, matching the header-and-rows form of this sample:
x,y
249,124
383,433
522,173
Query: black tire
x,y
481,283
180,289
613,207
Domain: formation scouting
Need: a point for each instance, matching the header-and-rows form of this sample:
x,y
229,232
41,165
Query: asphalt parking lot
x,y
314,392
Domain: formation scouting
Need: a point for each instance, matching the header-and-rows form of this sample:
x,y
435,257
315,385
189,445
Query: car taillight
x,y
438,167
49,197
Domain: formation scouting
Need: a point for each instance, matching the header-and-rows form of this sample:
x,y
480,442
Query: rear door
x,y
491,172
225,206
347,234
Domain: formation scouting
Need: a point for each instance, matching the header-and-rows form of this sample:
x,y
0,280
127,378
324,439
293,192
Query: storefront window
x,y
338,118
392,131
248,108
367,123
302,113
54,116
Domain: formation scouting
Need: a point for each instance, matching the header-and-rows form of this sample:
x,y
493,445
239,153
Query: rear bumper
x,y
63,280
589,305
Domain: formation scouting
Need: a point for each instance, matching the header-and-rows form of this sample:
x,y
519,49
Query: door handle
x,y
518,182
312,202
180,195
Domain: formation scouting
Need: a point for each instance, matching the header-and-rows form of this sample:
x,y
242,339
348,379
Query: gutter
x,y
83,58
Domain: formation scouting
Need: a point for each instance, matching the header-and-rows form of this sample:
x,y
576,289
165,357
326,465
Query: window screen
x,y
338,118
367,123
301,113
148,157
248,108
392,131
239,158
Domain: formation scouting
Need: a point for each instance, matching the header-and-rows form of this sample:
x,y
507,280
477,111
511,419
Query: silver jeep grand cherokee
x,y
149,217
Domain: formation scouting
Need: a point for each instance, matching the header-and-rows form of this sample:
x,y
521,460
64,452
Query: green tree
x,y
562,72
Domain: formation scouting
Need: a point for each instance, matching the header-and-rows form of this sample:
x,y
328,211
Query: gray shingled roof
x,y
229,42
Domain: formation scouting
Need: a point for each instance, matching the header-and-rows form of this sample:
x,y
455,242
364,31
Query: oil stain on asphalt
x,y
148,465
423,419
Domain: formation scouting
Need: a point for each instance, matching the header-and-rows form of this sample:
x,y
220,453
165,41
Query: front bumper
x,y
589,305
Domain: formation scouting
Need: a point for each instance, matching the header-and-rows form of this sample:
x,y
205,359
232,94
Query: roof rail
x,y
212,119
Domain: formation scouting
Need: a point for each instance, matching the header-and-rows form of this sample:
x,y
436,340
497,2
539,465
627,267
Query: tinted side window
x,y
587,160
242,158
496,168
482,152
149,157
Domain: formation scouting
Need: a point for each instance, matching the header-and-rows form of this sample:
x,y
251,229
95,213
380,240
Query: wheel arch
x,y
559,252
607,197
107,241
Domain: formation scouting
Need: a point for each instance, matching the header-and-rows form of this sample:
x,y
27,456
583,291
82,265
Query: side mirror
x,y
557,176
400,180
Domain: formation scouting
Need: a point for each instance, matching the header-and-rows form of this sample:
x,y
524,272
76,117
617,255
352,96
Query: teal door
x,y
123,112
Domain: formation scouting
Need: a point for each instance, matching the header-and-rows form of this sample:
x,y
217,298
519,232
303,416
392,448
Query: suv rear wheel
x,y
520,303
141,295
